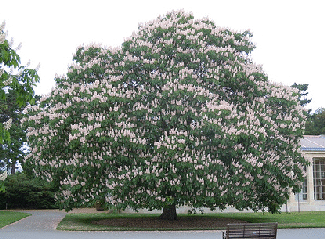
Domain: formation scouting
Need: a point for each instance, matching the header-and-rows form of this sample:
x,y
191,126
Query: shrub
x,y
24,192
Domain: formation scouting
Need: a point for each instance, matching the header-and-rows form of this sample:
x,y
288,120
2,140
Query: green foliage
x,y
303,93
2,186
23,192
19,79
315,124
12,150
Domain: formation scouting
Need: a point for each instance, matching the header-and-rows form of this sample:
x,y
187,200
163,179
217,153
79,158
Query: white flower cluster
x,y
2,34
3,176
7,124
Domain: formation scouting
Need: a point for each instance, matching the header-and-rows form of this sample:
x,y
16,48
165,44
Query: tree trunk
x,y
169,213
13,168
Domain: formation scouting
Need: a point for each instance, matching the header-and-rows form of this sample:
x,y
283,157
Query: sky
x,y
289,34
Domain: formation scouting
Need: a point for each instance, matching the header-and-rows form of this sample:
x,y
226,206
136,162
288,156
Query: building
x,y
312,196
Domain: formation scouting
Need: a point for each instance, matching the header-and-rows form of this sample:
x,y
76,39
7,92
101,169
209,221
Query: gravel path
x,y
42,223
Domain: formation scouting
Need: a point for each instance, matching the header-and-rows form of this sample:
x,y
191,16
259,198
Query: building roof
x,y
313,143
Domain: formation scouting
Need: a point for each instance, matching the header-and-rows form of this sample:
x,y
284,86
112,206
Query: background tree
x,y
13,150
303,92
315,124
19,79
179,115
20,191
309,126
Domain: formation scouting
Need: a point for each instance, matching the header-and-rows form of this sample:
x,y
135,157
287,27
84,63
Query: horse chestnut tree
x,y
179,115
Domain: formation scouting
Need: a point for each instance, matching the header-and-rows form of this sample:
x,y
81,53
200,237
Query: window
x,y
319,178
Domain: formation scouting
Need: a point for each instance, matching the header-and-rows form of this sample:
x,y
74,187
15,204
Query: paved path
x,y
42,225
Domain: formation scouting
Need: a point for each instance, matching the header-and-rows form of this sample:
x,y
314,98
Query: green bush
x,y
29,193
2,195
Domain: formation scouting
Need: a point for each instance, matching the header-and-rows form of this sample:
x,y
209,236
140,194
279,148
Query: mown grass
x,y
284,220
8,217
84,222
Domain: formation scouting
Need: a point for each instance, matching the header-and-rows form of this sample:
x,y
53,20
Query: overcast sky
x,y
289,34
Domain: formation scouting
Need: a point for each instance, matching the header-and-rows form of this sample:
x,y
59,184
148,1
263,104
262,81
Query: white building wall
x,y
310,204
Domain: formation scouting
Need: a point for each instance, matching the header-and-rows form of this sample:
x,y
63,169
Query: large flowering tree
x,y
179,115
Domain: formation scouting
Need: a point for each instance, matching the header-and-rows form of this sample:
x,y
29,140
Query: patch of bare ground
x,y
182,223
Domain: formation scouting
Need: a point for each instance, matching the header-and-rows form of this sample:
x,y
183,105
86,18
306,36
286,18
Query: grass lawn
x,y
8,217
285,220
213,221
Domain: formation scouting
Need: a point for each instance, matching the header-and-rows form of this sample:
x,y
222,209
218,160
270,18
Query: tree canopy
x,y
12,150
303,93
178,115
315,124
15,77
